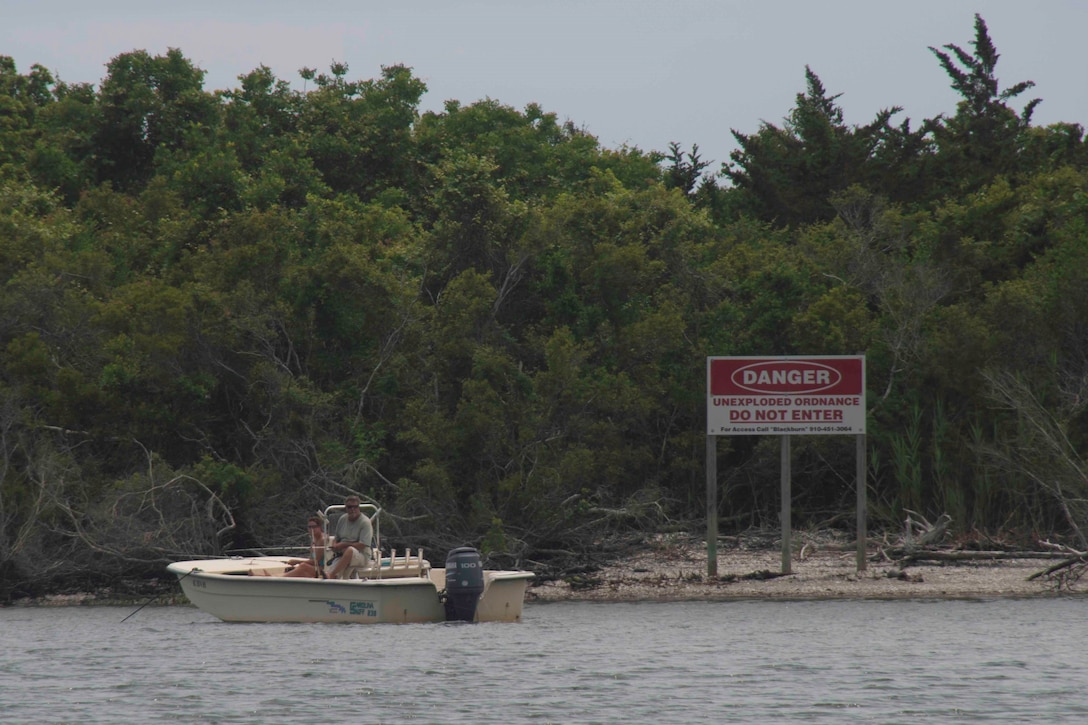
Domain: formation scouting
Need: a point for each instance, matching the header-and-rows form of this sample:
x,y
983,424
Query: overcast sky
x,y
641,73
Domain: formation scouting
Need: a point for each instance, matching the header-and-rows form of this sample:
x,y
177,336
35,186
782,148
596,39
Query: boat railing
x,y
395,567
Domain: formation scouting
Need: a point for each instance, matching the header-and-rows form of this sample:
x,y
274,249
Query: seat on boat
x,y
349,572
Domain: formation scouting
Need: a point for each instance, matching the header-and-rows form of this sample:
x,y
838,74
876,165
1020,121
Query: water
x,y
1003,661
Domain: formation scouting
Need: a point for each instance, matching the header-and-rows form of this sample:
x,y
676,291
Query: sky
x,y
640,73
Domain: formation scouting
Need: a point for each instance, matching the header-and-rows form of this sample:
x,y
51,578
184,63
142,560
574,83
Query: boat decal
x,y
366,609
334,608
356,609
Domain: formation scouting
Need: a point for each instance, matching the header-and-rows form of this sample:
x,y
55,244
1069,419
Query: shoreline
x,y
677,571
673,567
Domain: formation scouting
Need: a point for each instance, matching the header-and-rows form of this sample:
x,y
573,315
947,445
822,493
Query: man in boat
x,y
351,547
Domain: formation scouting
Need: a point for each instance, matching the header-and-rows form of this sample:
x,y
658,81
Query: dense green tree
x,y
985,137
788,175
358,133
22,98
685,170
63,157
146,104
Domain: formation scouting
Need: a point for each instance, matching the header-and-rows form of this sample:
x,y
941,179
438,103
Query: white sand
x,y
678,571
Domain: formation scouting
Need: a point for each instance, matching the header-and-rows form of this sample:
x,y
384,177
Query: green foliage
x,y
496,327
984,138
146,104
357,133
788,175
22,100
685,170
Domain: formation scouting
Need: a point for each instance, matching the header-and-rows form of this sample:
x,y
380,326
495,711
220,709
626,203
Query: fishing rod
x,y
264,548
153,598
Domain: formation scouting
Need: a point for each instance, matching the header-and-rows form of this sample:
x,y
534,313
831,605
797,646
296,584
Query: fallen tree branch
x,y
761,575
939,555
1069,561
919,533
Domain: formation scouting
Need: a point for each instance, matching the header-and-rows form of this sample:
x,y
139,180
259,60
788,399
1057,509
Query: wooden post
x,y
786,505
863,529
712,506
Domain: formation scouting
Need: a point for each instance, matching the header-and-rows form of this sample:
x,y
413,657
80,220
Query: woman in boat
x,y
314,566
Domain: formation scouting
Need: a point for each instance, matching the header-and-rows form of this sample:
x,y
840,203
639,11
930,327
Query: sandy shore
x,y
674,567
677,570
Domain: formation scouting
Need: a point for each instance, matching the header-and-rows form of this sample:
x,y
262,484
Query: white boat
x,y
398,589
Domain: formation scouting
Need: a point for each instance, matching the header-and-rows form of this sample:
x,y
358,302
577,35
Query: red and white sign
x,y
823,395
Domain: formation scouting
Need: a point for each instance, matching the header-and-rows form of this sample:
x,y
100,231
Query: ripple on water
x,y
738,662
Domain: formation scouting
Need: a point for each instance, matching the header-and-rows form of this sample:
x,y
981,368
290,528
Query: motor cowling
x,y
464,584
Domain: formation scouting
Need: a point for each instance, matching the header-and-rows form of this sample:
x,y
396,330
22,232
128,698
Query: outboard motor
x,y
464,584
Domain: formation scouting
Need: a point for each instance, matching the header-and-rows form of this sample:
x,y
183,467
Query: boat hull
x,y
222,588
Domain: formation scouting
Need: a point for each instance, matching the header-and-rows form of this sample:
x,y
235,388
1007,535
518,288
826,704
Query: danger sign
x,y
785,395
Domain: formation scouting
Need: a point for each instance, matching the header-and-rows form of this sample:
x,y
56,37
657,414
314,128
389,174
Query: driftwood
x,y
761,575
1067,572
919,533
967,555
1077,563
920,539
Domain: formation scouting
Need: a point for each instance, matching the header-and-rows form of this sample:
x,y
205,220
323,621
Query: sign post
x,y
863,533
712,506
784,517
784,396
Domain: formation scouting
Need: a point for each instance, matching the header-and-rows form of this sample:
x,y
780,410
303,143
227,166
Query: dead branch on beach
x,y
761,575
1066,573
920,542
919,538
961,555
1080,560
919,533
